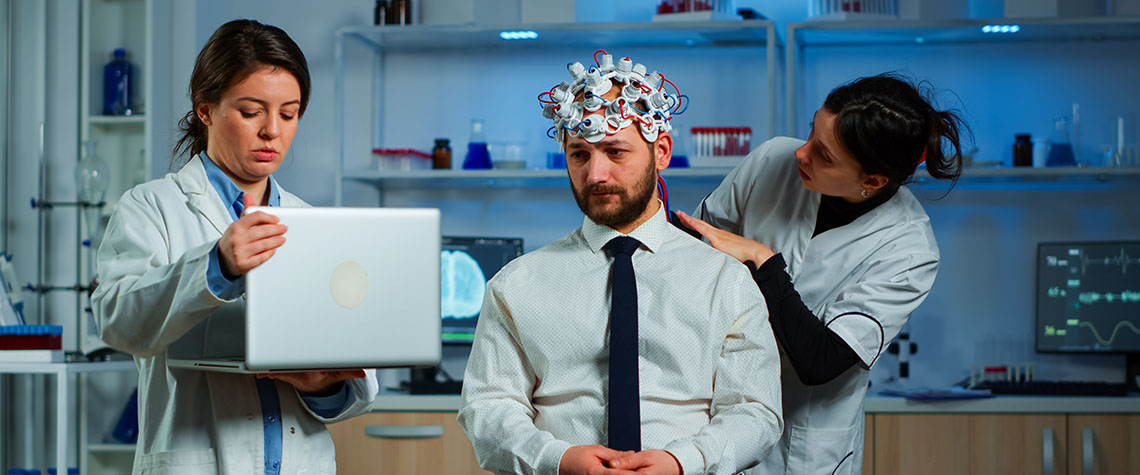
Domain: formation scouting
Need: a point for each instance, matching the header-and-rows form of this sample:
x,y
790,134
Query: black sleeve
x,y
818,354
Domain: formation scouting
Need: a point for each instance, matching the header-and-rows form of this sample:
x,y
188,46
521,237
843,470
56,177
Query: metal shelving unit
x,y
759,34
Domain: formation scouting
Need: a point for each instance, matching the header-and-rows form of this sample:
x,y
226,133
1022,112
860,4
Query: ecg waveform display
x,y
1088,297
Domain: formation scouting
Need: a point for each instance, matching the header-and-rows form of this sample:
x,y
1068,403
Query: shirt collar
x,y
231,195
651,233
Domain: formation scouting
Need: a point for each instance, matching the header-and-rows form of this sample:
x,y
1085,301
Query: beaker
x,y
1060,148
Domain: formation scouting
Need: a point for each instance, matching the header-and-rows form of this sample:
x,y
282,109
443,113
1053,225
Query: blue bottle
x,y
117,85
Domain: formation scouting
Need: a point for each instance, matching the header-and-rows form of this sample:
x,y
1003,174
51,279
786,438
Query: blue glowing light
x,y
518,35
1001,28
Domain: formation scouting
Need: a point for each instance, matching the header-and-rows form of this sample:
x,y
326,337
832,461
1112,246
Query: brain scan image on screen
x,y
462,285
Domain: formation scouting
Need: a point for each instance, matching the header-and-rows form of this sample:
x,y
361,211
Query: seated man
x,y
626,332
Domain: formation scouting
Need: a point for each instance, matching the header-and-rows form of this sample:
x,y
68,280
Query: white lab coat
x,y
881,265
153,302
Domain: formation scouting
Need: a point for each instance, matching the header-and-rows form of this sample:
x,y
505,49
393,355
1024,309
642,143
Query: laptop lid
x,y
350,288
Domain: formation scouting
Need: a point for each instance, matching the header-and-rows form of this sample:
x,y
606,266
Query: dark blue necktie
x,y
624,401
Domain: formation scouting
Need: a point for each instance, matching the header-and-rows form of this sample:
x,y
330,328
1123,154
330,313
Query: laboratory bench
x,y
999,435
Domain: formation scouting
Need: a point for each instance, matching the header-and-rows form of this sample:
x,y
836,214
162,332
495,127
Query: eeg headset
x,y
643,99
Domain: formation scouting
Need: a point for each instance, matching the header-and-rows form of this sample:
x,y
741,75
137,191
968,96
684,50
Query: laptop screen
x,y
466,264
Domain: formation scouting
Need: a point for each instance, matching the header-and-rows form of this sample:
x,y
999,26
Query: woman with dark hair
x,y
173,262
840,249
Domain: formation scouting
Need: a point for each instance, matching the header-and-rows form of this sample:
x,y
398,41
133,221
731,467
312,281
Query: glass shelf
x,y
711,176
137,119
412,38
900,32
420,179
111,448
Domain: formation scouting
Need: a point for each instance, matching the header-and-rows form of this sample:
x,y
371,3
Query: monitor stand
x,y
1132,370
424,382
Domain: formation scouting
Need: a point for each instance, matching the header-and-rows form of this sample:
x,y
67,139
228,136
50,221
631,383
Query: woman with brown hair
x,y
173,262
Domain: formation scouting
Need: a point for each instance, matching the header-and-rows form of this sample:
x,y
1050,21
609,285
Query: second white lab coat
x,y
153,302
863,280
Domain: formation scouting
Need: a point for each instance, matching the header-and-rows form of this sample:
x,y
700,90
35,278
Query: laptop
x,y
350,288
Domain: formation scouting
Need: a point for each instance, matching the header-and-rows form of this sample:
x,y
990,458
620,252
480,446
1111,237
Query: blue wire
x,y
682,111
549,132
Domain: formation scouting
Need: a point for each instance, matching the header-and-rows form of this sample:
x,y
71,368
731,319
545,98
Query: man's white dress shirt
x,y
709,369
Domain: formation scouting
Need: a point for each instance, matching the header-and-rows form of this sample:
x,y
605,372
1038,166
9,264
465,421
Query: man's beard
x,y
631,202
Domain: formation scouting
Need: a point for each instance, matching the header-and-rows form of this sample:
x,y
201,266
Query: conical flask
x,y
92,177
1061,148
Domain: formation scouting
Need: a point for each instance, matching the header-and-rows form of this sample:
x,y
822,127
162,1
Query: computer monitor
x,y
466,264
1088,297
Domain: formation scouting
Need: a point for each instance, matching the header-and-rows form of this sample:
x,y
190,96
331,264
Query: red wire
x,y
546,93
623,116
644,88
670,83
596,56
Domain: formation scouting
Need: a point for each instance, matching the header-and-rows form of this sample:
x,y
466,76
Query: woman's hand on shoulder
x,y
249,242
741,248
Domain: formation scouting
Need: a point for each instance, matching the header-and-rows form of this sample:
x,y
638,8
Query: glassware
x,y
1061,150
441,155
1040,151
478,158
92,177
1022,151
117,85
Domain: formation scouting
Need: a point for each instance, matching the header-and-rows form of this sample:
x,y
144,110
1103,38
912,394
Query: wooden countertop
x,y
874,405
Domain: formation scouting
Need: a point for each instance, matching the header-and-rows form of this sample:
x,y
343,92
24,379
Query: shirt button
x,y
275,465
272,419
249,416
292,430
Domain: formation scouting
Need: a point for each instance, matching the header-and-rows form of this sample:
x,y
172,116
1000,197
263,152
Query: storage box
x,y
1126,7
400,159
933,9
852,10
466,12
1053,8
547,11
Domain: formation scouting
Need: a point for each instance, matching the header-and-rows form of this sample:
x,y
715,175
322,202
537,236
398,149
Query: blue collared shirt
x,y
329,406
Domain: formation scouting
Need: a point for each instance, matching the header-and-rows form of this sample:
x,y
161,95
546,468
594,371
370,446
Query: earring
x,y
864,193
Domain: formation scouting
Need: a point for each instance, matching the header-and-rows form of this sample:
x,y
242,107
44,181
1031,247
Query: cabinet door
x,y
1109,448
868,444
423,453
974,444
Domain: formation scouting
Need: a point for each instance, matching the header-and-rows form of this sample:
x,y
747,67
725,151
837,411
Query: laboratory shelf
x,y
1002,178
111,448
137,119
426,38
898,32
510,178
1041,175
740,35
